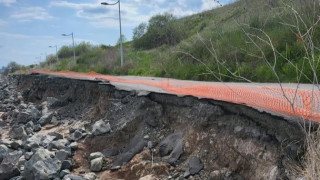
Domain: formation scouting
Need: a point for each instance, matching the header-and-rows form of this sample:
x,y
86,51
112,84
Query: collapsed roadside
x,y
58,128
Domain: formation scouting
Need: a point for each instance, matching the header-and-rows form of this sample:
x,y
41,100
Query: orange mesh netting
x,y
273,98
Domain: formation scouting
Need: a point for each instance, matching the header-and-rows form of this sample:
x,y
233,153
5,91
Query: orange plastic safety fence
x,y
303,103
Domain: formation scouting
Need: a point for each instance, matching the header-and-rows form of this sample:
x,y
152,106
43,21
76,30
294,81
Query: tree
x,y
162,29
12,67
139,31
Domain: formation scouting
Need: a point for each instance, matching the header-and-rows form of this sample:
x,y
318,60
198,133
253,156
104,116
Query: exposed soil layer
x,y
232,141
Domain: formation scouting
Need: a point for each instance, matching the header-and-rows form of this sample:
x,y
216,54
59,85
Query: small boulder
x,y
37,127
18,132
4,150
56,135
64,173
95,155
45,119
16,144
194,167
74,146
66,164
62,155
42,165
96,164
90,176
100,127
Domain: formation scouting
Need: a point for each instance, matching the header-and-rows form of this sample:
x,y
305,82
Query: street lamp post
x,y
74,53
56,50
121,48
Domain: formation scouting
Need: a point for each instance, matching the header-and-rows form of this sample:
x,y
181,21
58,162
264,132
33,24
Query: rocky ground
x,y
56,128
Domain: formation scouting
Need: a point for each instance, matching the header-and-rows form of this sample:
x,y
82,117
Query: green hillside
x,y
256,40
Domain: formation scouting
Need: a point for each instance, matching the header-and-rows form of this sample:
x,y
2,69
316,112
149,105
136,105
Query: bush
x,y
65,52
162,29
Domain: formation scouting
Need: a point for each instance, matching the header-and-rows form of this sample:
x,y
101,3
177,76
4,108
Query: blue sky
x,y
28,27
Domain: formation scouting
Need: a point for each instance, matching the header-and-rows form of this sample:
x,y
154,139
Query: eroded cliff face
x,y
156,136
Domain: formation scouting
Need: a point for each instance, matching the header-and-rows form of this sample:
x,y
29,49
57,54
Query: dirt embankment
x,y
161,136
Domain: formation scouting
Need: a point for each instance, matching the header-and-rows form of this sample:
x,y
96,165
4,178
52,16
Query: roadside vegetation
x,y
216,45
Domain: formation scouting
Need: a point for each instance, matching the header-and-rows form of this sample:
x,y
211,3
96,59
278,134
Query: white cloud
x,y
31,13
209,4
7,2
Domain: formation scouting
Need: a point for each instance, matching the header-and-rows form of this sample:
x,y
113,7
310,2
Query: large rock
x,y
8,171
42,166
194,167
100,127
33,142
96,164
46,118
9,166
3,151
18,132
62,155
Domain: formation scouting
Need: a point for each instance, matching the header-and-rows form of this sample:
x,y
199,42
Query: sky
x,y
29,27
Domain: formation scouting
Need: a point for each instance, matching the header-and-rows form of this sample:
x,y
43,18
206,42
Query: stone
x,y
72,177
100,127
34,113
64,173
46,140
4,150
62,155
33,142
66,164
96,164
60,144
37,127
56,135
12,158
194,167
16,144
18,132
42,165
95,155
8,171
45,119
74,146
23,117
28,155
29,127
90,176
77,135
